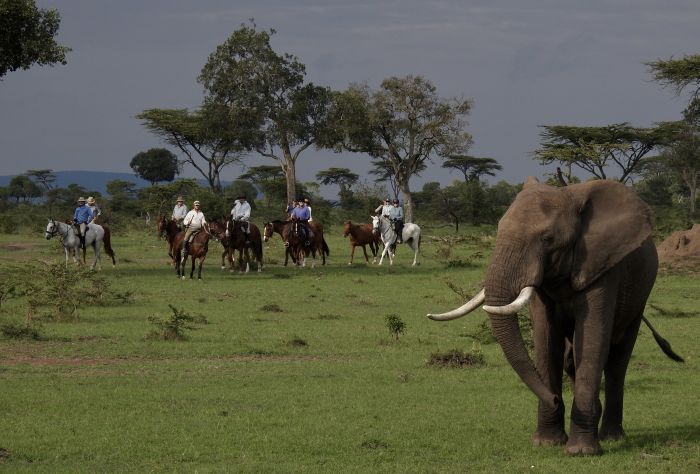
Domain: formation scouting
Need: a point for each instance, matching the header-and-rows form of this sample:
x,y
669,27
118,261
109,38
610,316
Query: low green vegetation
x,y
298,369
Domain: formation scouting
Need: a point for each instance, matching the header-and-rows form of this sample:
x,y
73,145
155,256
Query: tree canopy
x,y
595,149
402,125
155,165
27,36
267,89
472,167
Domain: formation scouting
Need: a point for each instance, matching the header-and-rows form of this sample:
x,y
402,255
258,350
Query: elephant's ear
x,y
614,222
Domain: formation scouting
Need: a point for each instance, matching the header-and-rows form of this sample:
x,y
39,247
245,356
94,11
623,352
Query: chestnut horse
x,y
295,241
218,230
278,226
361,235
198,247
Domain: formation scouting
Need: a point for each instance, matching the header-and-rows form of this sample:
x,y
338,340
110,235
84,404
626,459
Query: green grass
x,y
297,371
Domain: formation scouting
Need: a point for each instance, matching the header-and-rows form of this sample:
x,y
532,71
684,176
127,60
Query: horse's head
x,y
267,233
346,228
218,229
376,224
51,229
162,226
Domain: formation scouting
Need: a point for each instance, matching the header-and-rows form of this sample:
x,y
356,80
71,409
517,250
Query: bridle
x,y
55,230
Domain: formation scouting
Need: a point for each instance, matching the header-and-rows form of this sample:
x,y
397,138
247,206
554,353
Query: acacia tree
x,y
155,165
595,149
27,36
343,177
208,137
683,155
472,167
270,179
402,125
245,75
45,177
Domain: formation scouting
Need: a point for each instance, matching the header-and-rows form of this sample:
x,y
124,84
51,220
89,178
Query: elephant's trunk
x,y
507,332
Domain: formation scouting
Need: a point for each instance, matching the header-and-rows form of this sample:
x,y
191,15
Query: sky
x,y
523,63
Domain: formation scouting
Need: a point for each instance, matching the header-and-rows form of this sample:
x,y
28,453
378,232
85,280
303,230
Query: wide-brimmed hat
x,y
196,203
91,200
396,201
180,199
81,199
306,200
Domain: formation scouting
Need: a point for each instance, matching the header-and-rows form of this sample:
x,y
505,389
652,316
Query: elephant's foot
x,y
583,445
611,432
558,438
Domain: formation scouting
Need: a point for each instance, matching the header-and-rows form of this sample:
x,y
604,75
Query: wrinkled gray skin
x,y
587,250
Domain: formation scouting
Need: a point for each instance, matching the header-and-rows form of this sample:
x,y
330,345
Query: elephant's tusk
x,y
467,307
515,306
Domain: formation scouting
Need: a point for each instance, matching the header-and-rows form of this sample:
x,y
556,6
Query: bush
x,y
172,328
456,359
395,325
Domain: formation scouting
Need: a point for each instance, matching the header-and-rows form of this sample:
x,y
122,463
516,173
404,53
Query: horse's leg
x,y
97,261
194,262
364,251
201,263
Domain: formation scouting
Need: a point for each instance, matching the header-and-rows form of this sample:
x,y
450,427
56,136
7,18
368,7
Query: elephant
x,y
583,258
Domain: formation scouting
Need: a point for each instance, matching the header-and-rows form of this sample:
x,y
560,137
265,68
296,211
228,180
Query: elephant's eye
x,y
548,238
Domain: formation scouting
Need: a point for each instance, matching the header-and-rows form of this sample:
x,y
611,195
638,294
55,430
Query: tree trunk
x,y
290,175
407,202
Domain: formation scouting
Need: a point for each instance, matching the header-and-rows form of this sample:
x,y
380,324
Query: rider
x,y
81,218
179,211
384,209
302,214
308,206
194,222
241,213
397,219
92,204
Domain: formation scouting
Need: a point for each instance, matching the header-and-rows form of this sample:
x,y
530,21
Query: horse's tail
x,y
325,249
107,242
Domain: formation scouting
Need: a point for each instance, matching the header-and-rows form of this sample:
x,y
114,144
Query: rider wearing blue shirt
x,y
396,216
302,214
81,218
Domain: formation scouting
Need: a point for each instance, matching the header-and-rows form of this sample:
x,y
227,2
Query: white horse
x,y
410,235
71,241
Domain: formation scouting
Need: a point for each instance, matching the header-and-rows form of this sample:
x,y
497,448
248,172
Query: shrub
x,y
172,328
456,359
395,325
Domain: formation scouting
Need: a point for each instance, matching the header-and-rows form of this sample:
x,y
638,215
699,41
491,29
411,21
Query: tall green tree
x,y
27,36
472,167
155,165
208,138
245,75
402,125
596,149
683,157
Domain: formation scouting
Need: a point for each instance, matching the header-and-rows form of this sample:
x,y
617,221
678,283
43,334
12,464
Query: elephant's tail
x,y
663,343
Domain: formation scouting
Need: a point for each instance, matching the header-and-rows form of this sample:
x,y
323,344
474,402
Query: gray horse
x,y
410,236
94,236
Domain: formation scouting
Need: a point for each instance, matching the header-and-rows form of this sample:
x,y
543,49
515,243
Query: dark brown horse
x,y
361,235
237,240
218,231
295,241
317,243
169,230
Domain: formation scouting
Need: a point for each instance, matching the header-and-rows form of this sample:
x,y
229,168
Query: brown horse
x,y
318,243
169,230
237,240
198,247
218,231
361,235
278,226
295,241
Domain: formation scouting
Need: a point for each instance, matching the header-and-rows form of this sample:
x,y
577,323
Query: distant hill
x,y
90,180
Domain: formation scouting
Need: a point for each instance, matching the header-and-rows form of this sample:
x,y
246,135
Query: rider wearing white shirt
x,y
396,217
385,209
194,222
241,213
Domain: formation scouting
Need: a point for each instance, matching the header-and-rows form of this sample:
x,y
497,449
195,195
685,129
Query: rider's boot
x,y
82,242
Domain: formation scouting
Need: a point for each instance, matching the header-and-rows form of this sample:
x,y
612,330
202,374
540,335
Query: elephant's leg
x,y
594,322
549,351
615,371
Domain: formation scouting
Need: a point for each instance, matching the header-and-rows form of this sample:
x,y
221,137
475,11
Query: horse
x,y
278,226
385,229
218,230
295,241
107,243
170,231
198,251
237,240
318,243
361,235
198,248
94,235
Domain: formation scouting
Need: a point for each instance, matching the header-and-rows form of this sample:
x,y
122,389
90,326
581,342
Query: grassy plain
x,y
296,371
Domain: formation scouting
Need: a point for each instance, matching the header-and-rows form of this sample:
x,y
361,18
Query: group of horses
x,y
299,243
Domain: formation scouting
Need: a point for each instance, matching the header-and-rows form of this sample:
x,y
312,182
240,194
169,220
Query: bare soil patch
x,y
682,247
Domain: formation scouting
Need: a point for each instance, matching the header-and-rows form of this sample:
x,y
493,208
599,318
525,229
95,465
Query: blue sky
x,y
523,63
